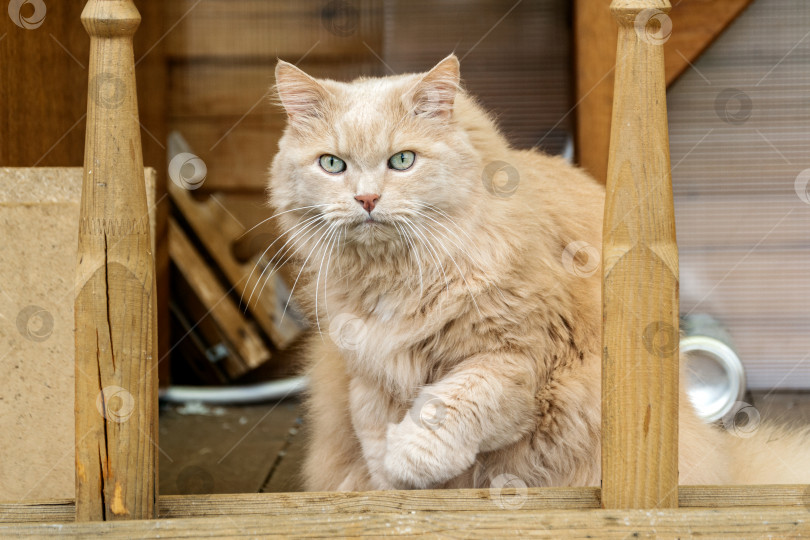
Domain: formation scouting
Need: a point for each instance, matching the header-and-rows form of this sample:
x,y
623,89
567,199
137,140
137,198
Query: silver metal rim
x,y
728,360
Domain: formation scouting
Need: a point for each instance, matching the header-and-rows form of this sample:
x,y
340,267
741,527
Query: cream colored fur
x,y
472,343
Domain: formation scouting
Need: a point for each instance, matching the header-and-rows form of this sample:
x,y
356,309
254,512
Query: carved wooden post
x,y
640,282
116,379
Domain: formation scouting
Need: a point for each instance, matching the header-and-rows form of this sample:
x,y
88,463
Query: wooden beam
x,y
494,523
240,333
695,25
455,500
217,231
116,347
640,279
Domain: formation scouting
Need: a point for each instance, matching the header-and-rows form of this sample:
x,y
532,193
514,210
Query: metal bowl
x,y
715,376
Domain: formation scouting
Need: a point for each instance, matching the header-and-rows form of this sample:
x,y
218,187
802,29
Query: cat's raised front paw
x,y
419,456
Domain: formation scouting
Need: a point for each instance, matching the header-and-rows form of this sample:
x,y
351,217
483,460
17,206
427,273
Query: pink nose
x,y
368,201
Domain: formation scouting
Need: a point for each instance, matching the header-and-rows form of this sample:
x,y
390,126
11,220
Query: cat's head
x,y
373,157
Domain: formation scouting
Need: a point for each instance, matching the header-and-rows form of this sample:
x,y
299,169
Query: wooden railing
x,y
640,278
116,347
116,466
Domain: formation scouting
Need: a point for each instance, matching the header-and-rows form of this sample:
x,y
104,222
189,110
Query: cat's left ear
x,y
435,93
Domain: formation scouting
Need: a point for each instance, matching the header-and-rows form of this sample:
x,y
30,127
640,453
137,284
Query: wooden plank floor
x,y
259,448
230,449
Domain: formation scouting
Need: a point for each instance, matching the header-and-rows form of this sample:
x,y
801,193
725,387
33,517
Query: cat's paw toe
x,y
418,457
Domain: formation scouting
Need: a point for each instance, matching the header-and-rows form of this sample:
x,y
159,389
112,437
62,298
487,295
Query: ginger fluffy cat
x,y
458,335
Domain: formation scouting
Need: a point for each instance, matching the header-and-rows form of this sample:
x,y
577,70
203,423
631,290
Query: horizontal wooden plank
x,y
274,28
532,32
237,153
494,523
206,89
452,500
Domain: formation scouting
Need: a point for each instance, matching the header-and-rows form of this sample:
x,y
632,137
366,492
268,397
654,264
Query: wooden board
x,y
115,300
796,497
221,449
267,30
202,89
716,523
236,153
217,228
240,333
639,282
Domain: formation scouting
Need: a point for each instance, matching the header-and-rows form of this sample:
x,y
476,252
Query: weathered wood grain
x,y
115,315
217,229
712,522
239,332
640,281
463,500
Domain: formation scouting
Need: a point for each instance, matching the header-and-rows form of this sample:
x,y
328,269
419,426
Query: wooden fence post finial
x,y
640,274
115,316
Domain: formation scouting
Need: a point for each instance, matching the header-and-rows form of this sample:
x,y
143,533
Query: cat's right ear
x,y
301,95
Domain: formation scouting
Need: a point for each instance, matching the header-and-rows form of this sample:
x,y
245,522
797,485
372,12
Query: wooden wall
x,y
222,54
221,60
43,101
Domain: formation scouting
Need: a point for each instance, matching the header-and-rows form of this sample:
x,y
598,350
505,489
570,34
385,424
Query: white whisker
x,y
418,262
261,257
326,274
291,241
433,253
460,272
461,246
281,214
333,231
304,265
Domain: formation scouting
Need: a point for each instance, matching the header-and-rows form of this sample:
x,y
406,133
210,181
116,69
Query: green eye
x,y
332,164
402,160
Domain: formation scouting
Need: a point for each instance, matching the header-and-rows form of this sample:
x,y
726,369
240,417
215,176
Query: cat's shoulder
x,y
555,173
